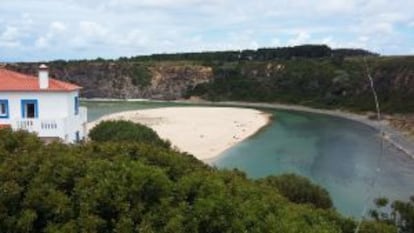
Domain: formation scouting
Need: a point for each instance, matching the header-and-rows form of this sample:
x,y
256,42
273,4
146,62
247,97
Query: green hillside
x,y
323,83
131,186
312,75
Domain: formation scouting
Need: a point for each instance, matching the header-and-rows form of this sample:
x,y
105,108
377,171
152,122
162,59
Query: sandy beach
x,y
205,132
391,135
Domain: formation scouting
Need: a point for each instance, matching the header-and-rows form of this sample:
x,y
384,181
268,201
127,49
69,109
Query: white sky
x,y
33,30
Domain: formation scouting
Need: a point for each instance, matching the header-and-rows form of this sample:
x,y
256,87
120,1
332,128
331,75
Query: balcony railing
x,y
59,127
33,124
43,127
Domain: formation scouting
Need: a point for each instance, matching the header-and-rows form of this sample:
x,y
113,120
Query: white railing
x,y
59,127
48,124
43,127
35,124
26,124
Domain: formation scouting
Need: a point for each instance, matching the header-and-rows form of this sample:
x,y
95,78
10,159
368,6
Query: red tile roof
x,y
14,81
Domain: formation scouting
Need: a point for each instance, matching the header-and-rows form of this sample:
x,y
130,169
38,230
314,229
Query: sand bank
x,y
205,132
393,136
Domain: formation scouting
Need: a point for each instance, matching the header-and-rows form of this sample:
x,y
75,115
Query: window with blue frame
x,y
30,109
4,109
77,105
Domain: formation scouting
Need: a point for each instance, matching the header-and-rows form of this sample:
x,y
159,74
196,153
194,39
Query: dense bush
x,y
125,131
299,190
140,187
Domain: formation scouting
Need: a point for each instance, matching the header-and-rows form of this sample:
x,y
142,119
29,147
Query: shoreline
x,y
205,132
393,136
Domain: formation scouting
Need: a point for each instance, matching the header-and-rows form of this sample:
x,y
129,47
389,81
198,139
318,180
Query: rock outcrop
x,y
166,81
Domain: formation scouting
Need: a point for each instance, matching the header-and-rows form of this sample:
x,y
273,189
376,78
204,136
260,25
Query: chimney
x,y
43,76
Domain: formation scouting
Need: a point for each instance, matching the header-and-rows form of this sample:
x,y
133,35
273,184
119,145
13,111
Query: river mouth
x,y
341,155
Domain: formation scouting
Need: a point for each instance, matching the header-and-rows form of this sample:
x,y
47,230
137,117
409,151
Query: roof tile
x,y
14,81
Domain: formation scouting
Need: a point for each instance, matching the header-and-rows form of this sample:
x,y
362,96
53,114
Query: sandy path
x,y
204,132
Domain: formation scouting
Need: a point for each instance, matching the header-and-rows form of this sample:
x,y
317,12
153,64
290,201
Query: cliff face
x,y
318,82
126,79
172,81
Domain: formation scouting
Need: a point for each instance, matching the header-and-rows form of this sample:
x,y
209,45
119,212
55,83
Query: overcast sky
x,y
33,30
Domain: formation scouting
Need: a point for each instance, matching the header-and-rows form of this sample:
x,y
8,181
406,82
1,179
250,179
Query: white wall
x,y
51,105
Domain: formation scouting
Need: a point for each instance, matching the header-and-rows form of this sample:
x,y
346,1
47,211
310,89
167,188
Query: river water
x,y
341,155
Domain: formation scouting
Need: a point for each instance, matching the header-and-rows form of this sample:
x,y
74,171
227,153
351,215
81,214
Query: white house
x,y
41,105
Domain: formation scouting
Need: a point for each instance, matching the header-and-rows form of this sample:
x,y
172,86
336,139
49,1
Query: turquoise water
x,y
339,154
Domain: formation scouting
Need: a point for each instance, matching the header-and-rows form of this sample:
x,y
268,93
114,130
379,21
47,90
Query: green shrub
x,y
119,131
299,190
141,187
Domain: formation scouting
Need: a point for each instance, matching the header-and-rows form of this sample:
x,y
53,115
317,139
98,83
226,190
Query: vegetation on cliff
x,y
323,83
261,54
312,75
139,187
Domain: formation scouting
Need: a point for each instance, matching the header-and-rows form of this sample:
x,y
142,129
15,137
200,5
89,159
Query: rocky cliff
x,y
105,79
326,82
